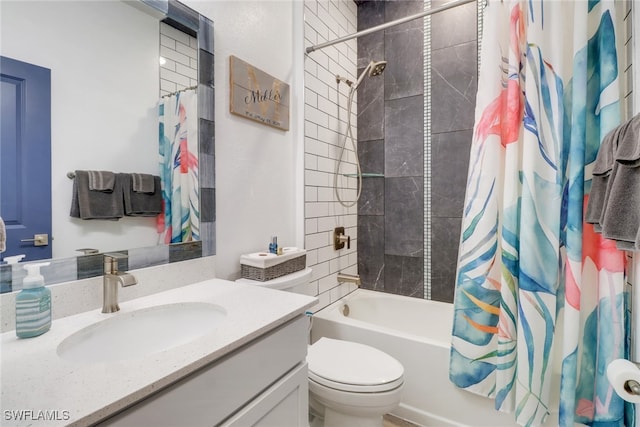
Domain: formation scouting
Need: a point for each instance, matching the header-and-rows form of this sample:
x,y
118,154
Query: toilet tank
x,y
286,283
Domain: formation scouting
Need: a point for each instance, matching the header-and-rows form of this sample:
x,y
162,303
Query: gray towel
x,y
143,183
620,218
86,204
101,181
141,204
601,173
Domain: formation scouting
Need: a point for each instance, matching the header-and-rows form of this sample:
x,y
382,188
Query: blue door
x,y
25,158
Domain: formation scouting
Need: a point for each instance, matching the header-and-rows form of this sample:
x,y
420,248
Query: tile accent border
x,y
427,151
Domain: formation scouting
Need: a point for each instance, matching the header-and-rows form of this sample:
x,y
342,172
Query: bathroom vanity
x,y
244,366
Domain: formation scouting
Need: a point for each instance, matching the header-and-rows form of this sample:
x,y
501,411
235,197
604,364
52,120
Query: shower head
x,y
375,68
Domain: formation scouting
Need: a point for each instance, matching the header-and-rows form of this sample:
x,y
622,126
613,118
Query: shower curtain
x,y
540,298
178,120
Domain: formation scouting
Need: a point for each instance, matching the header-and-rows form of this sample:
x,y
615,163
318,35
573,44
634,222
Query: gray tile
x,y
207,132
5,279
207,170
449,164
453,88
404,141
208,237
185,251
371,251
370,48
370,14
372,198
370,97
205,68
149,256
403,221
404,52
371,155
205,34
207,204
206,109
404,275
445,238
60,270
463,18
90,266
396,9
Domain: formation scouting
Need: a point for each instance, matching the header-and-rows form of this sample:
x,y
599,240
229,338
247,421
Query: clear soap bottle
x,y
33,304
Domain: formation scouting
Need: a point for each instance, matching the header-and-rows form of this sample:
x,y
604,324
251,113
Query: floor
x,y
391,421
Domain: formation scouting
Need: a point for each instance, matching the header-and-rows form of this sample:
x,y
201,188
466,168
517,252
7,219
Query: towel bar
x,y
71,175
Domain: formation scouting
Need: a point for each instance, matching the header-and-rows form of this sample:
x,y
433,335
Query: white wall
x,y
255,164
91,48
325,123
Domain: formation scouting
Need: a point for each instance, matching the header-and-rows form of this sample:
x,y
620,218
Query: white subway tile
x,y
174,55
316,209
179,79
311,195
315,241
187,50
167,41
310,97
316,116
186,71
311,225
316,85
324,299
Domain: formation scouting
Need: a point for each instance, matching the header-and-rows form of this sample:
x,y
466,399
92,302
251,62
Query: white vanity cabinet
x,y
263,383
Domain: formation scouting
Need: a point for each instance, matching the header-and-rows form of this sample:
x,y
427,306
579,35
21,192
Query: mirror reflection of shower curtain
x,y
178,122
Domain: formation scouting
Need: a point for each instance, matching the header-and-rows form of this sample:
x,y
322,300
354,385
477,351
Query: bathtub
x,y
418,334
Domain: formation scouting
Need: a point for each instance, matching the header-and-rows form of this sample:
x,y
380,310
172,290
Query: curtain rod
x,y
445,6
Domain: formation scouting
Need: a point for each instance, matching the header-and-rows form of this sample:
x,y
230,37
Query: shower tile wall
x,y
391,142
325,122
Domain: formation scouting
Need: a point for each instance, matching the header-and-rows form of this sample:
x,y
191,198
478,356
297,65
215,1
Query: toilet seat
x,y
353,367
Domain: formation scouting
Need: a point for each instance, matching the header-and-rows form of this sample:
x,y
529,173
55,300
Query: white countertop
x,y
34,378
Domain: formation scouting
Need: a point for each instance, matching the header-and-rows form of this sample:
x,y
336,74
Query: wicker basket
x,y
263,274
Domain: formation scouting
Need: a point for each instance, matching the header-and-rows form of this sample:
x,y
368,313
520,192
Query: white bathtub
x,y
418,334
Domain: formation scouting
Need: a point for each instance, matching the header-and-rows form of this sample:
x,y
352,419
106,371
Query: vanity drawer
x,y
212,394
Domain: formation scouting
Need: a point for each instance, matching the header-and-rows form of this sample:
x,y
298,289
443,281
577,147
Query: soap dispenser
x,y
33,304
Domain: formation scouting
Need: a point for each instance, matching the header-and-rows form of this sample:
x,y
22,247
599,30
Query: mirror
x,y
105,87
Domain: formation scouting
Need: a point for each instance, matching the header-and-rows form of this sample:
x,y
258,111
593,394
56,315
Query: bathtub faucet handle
x,y
339,239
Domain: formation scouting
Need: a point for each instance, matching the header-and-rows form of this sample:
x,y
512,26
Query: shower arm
x,y
431,11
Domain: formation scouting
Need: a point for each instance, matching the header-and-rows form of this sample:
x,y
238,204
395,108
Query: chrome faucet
x,y
110,282
351,278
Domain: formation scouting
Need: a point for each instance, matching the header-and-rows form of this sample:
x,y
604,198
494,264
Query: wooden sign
x,y
257,95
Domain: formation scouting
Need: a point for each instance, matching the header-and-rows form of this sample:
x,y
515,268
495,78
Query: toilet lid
x,y
351,366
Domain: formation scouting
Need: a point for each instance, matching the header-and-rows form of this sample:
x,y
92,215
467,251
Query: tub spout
x,y
350,278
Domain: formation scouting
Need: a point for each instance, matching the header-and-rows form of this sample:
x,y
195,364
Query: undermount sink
x,y
141,333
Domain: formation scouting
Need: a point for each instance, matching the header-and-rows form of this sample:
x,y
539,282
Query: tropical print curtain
x,y
540,297
178,120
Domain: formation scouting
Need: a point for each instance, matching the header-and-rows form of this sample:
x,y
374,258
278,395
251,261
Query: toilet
x,y
350,384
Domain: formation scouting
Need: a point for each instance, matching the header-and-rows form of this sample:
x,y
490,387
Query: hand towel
x,y
101,181
143,183
3,236
86,204
139,203
621,215
601,173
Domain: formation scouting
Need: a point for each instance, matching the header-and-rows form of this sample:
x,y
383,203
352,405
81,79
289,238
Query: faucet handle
x,y
339,239
111,261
